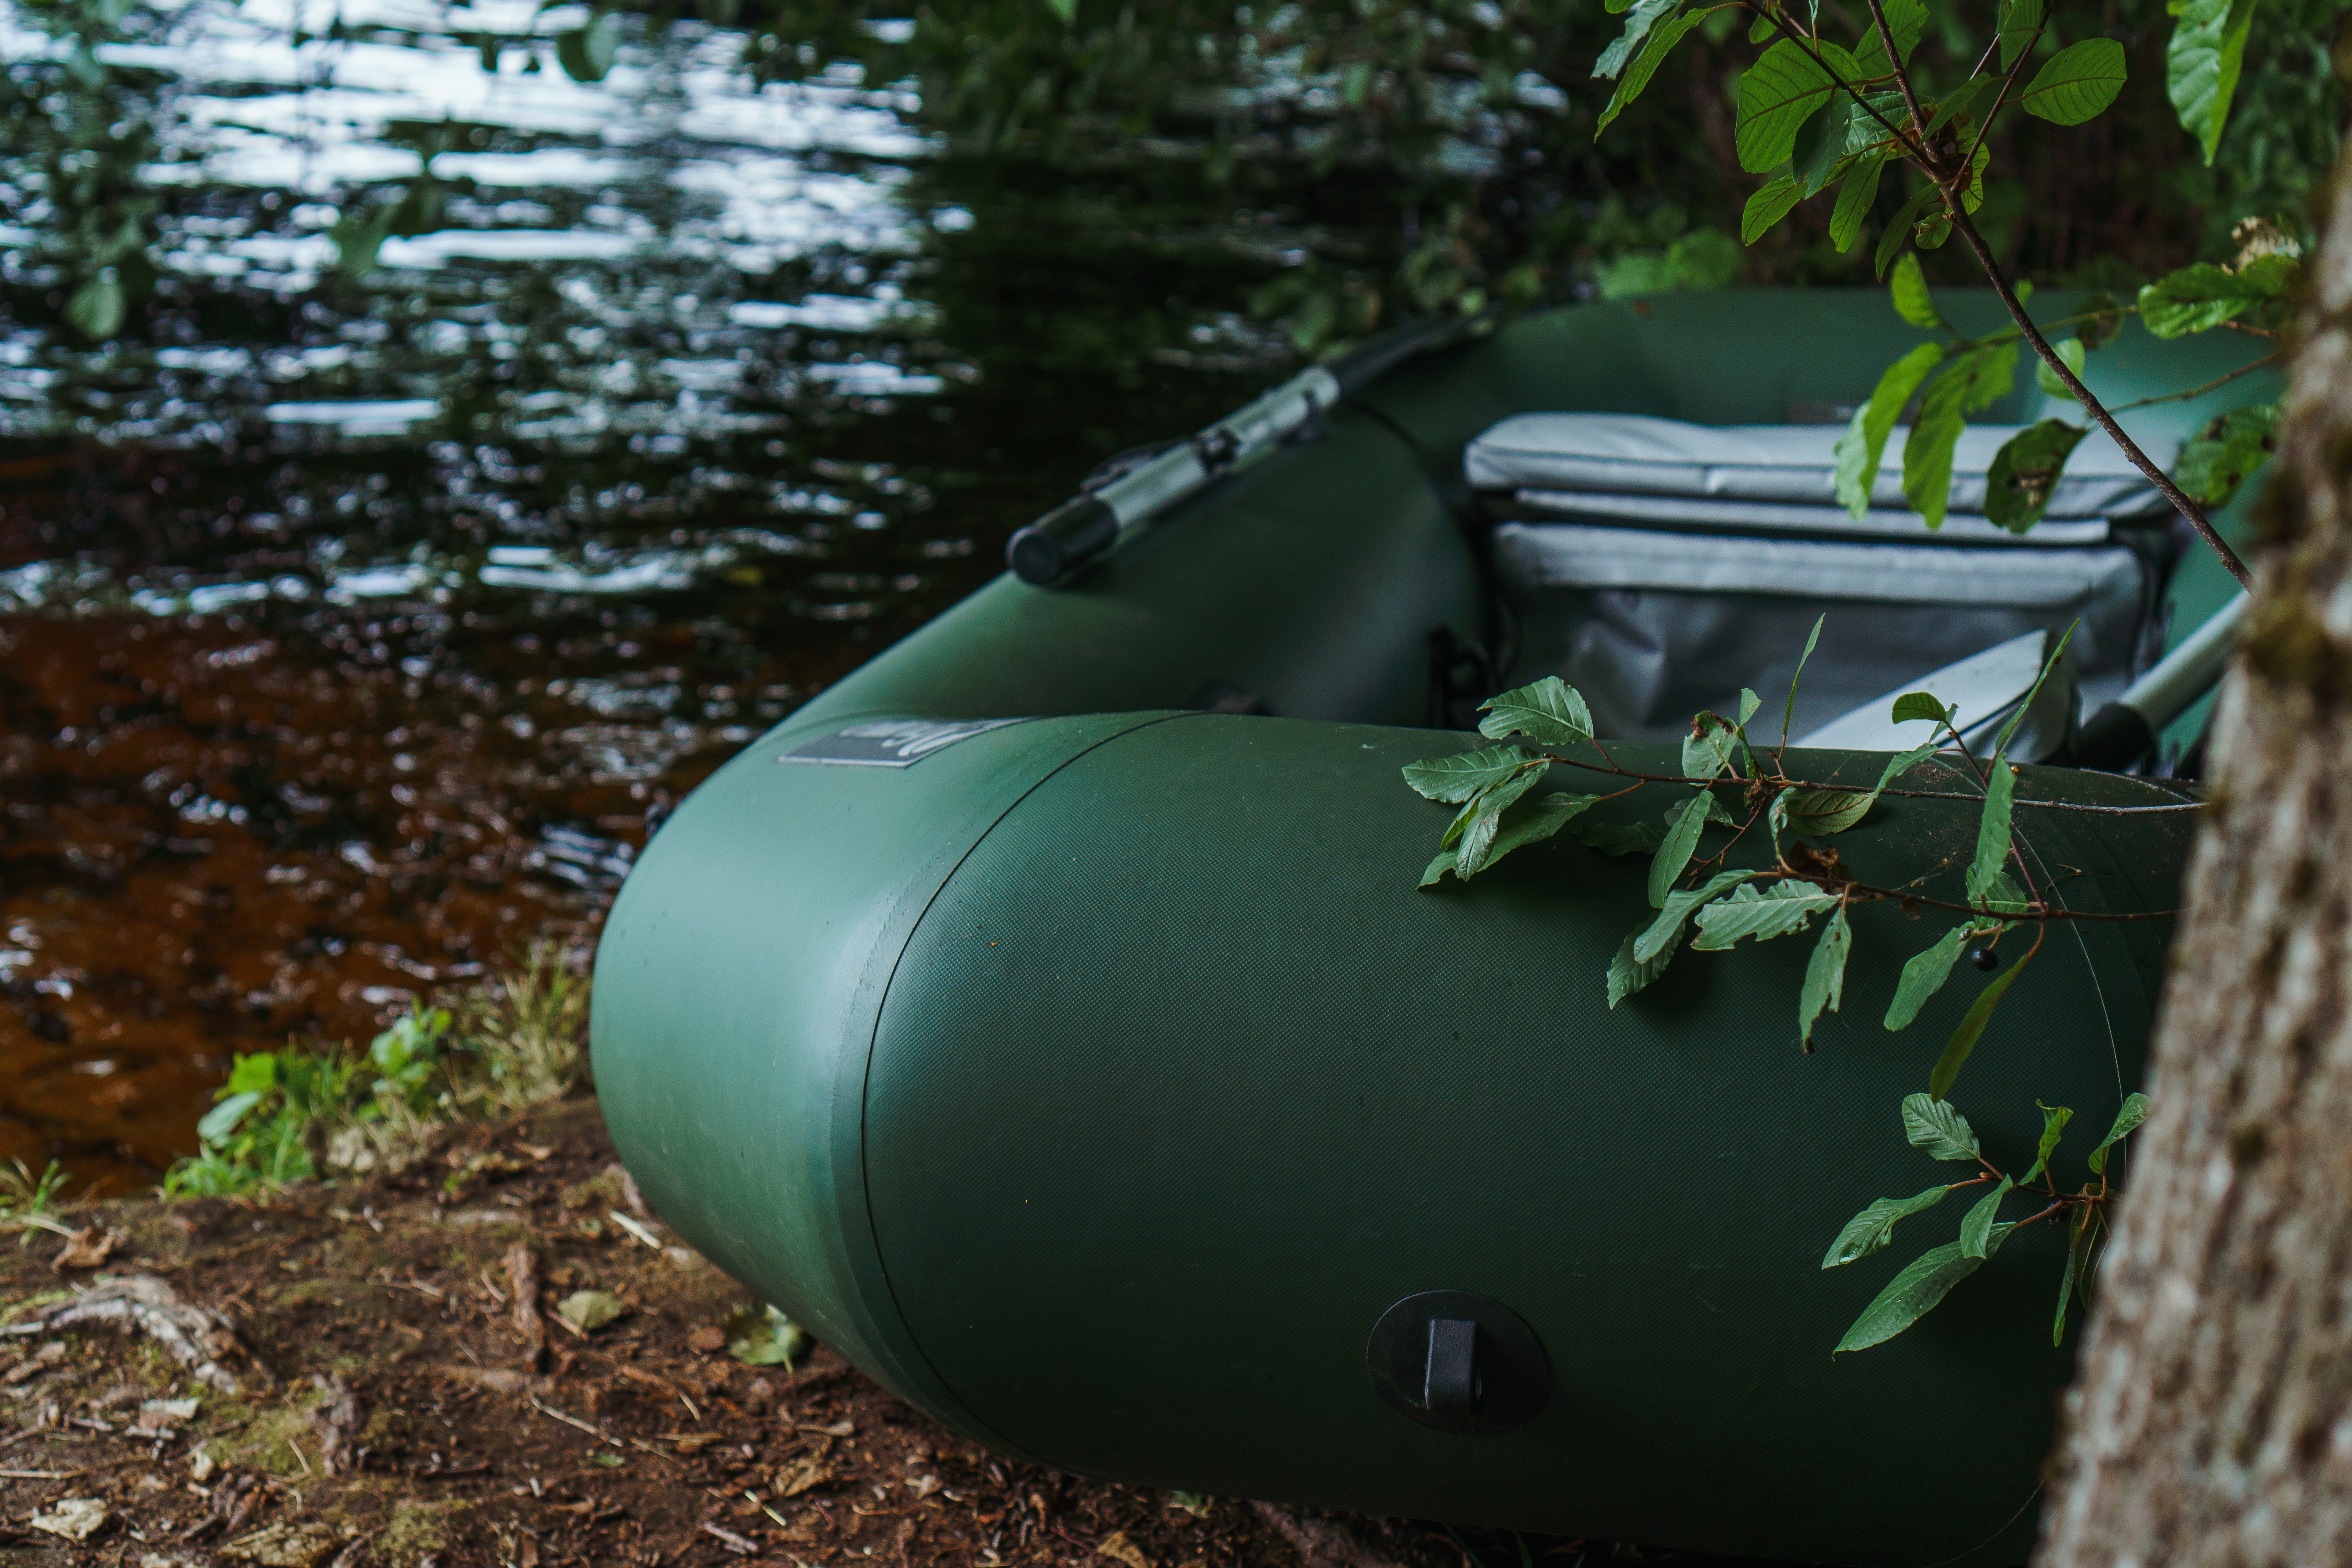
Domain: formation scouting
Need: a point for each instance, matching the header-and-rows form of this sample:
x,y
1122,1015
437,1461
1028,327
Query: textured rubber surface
x,y
1180,1083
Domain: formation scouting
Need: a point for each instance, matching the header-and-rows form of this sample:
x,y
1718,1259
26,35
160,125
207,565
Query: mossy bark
x,y
2212,1421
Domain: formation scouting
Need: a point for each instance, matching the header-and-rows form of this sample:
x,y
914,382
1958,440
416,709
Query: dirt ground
x,y
390,1406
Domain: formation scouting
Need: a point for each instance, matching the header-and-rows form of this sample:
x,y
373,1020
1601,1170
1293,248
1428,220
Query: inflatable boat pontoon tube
x,y
1086,1068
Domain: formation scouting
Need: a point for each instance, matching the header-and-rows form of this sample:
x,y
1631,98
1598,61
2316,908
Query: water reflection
x,y
413,538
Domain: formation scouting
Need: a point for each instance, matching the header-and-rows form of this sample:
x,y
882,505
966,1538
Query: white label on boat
x,y
892,742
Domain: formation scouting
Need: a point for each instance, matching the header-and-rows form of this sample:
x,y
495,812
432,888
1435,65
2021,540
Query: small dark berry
x,y
1984,958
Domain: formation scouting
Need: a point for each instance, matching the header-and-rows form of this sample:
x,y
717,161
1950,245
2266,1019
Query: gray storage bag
x,y
1659,567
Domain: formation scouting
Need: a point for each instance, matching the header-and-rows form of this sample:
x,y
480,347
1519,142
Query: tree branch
x,y
2082,394
1957,209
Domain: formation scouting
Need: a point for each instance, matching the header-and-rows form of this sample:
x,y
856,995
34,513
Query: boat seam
x,y
865,1074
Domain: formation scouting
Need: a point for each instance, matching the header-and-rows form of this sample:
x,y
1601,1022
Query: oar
x,y
1103,518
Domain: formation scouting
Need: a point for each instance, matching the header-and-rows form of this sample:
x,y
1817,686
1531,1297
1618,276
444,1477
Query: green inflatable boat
x,y
1047,1017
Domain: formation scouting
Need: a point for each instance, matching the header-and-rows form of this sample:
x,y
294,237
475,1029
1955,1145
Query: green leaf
x,y
1646,13
1821,811
2000,742
1777,94
1961,98
1924,976
1865,441
1871,1230
2098,320
1992,831
96,309
588,1310
2071,351
1825,985
1906,19
1930,1123
1913,1293
1620,837
2019,20
1854,201
2201,65
1475,851
1788,714
2127,1121
1928,460
1522,825
2075,84
1911,300
586,54
2002,896
763,1336
1068,10
253,1073
222,1119
1972,1027
1627,975
1660,44
1710,746
1821,142
2200,297
1455,779
1663,934
1675,854
1975,379
1897,766
1976,1230
1748,703
1771,202
1551,712
2070,1283
2054,1126
2225,454
1920,705
2025,470
1900,228
1780,909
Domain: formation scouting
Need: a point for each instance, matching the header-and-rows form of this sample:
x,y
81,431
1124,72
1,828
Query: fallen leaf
x,y
763,1336
842,1429
588,1310
290,1543
807,1474
535,1151
691,1442
707,1340
88,1248
1116,1546
76,1519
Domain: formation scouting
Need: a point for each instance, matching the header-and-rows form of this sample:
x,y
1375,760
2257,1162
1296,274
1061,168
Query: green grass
x,y
312,1109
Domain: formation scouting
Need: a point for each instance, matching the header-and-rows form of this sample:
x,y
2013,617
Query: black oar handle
x,y
1064,539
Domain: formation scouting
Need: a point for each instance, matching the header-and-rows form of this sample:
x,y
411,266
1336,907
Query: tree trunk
x,y
2211,1422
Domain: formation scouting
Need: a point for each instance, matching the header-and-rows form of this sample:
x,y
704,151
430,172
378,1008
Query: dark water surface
x,y
350,621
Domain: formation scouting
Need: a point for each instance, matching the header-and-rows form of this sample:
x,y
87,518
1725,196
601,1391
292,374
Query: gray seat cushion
x,y
1631,455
